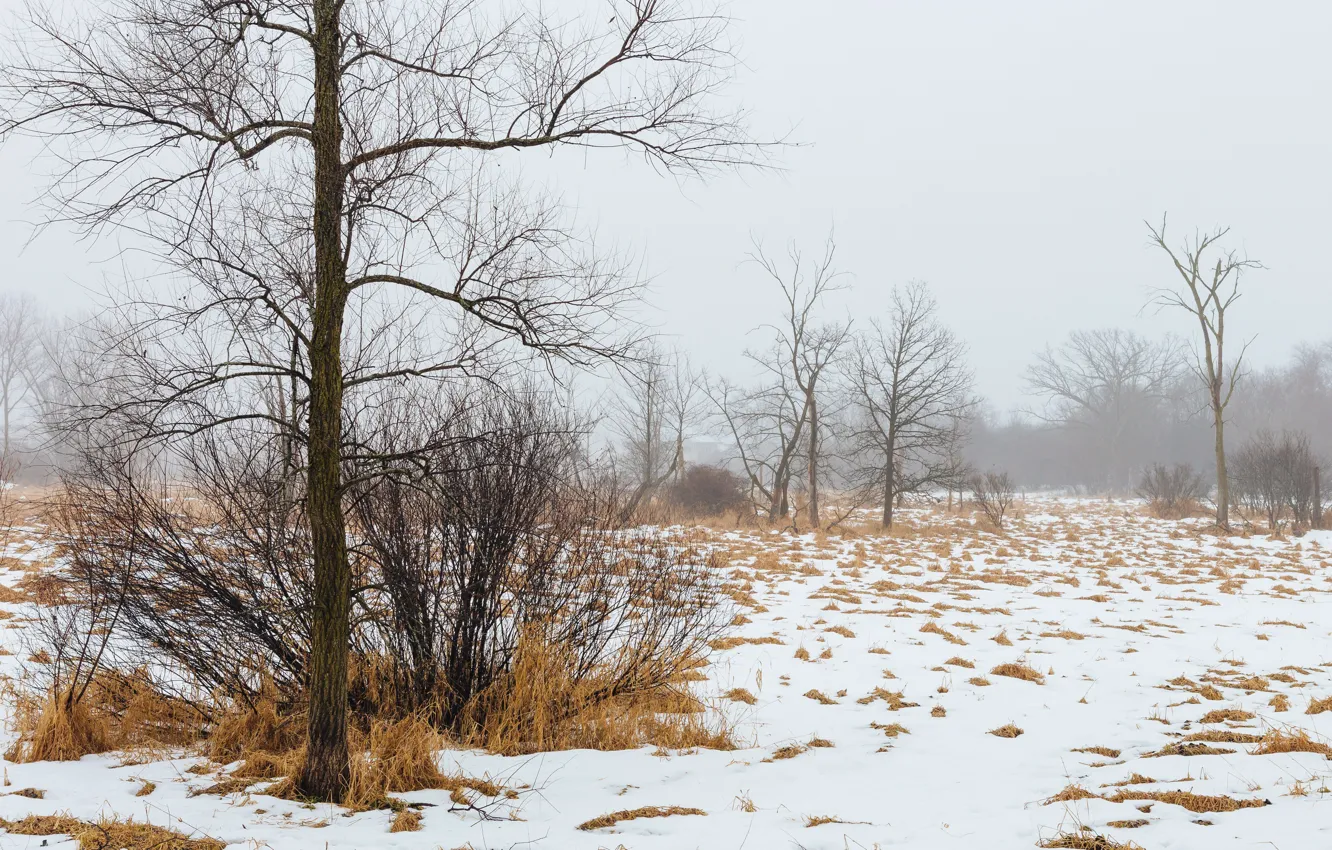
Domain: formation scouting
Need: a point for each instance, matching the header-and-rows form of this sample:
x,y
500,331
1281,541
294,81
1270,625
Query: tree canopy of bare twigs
x,y
911,393
1108,382
319,176
1209,289
781,424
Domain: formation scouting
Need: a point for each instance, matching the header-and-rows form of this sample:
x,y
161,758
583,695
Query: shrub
x,y
993,493
1171,491
706,490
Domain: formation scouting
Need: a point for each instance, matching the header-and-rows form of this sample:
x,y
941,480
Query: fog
x,y
1006,154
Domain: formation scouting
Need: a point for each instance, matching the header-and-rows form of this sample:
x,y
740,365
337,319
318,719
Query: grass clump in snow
x,y
1018,670
1297,741
1008,730
633,814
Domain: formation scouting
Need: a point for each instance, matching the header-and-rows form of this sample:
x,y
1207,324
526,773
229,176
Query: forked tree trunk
x,y
325,774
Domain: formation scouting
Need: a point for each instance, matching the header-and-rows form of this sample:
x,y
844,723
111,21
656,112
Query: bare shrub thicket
x,y
993,493
1171,491
475,566
705,490
1272,475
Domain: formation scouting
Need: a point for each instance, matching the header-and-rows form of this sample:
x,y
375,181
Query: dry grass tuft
x,y
64,730
1198,803
1222,715
633,814
538,707
893,699
109,833
979,681
1099,751
934,629
1009,730
891,730
1069,794
820,820
407,820
741,695
956,661
1002,639
1297,741
1280,702
1086,840
819,697
1318,706
1127,824
1018,670
1188,749
1224,736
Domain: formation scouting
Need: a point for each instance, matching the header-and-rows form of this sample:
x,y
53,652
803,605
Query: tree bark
x,y
325,774
813,459
1222,481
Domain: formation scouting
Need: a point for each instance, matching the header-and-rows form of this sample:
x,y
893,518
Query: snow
x,y
1180,602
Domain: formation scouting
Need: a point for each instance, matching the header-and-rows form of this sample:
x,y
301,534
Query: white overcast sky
x,y
1006,152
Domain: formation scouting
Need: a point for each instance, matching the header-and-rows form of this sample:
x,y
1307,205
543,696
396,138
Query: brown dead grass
x,y
1108,752
1294,741
1069,794
1222,715
633,814
1008,730
407,820
109,833
1318,706
1198,803
1085,840
741,695
63,730
1018,670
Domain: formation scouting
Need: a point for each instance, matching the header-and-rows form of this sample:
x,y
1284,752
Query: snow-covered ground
x,y
1107,605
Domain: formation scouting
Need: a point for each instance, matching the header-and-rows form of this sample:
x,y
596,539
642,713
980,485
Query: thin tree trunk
x,y
325,774
813,461
1222,480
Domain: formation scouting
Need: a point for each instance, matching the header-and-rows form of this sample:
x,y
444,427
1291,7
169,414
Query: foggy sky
x,y
1005,152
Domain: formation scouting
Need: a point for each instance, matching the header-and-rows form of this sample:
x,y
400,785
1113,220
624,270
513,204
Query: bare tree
x,y
20,356
652,416
800,356
1209,291
315,167
1107,382
910,388
993,494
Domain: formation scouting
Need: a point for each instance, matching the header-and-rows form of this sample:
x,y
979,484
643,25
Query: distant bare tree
x,y
1209,290
910,388
800,357
323,173
993,493
20,358
1106,382
658,406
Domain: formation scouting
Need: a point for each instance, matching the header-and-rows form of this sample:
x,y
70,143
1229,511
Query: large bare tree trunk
x,y
325,773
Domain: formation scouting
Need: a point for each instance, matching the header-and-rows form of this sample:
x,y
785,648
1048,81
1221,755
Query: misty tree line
x,y
873,414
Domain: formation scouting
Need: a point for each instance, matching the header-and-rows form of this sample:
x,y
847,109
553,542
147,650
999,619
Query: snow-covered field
x,y
874,666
